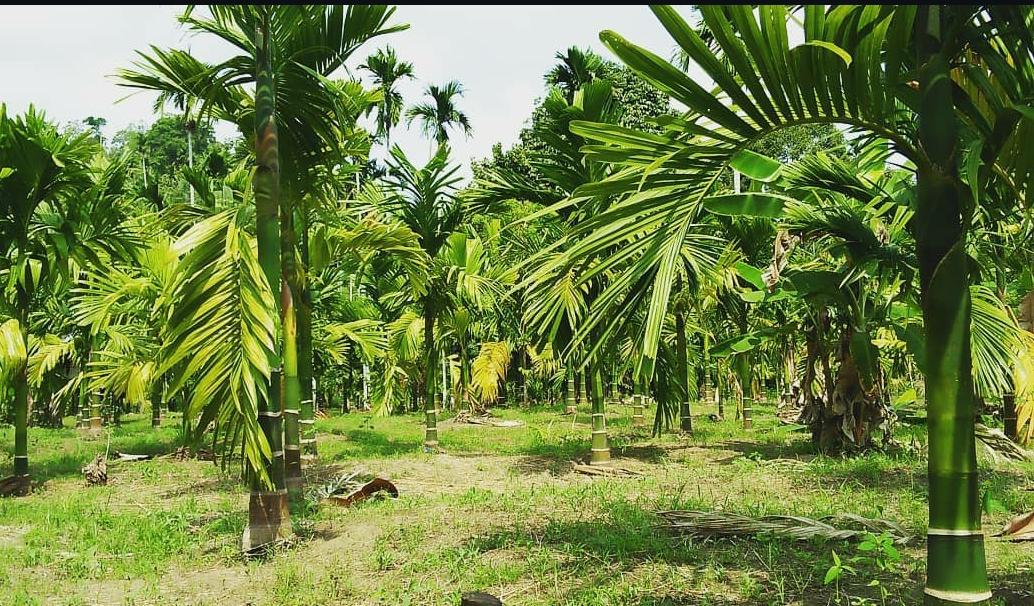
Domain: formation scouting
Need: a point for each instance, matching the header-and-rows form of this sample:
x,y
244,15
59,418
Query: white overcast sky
x,y
61,58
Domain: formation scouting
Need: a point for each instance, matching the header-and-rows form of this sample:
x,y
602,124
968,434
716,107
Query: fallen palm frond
x,y
998,444
15,486
603,470
352,488
722,524
465,416
1020,528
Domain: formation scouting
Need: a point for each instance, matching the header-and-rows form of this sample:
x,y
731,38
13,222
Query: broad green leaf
x,y
750,274
756,166
816,283
751,204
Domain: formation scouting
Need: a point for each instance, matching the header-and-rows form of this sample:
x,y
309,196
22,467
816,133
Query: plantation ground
x,y
498,510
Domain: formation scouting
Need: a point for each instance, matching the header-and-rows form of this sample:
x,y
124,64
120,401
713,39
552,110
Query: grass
x,y
499,510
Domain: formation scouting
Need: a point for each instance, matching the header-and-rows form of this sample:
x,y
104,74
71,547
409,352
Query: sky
x,y
61,58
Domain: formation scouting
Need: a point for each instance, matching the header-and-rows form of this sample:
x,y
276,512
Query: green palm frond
x,y
997,340
47,353
219,336
13,356
337,339
488,370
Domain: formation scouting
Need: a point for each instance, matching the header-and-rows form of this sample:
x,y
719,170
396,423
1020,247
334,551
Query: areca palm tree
x,y
296,116
388,71
424,199
880,71
42,171
576,68
441,114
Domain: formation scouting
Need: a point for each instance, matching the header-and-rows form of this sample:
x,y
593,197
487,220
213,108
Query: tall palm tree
x,y
854,68
424,199
441,114
42,171
388,71
576,68
307,117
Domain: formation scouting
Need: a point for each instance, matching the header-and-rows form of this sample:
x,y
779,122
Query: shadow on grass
x,y
764,451
370,443
1014,588
761,570
77,448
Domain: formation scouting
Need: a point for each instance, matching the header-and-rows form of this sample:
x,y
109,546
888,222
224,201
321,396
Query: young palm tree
x,y
441,114
424,199
388,71
41,172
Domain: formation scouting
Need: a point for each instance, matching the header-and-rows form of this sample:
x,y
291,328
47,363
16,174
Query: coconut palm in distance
x,y
441,114
388,71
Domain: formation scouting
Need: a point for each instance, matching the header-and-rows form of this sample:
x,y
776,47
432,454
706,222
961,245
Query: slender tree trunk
x,y
682,356
292,394
21,391
956,572
83,419
305,375
290,289
579,385
268,516
156,404
570,407
525,400
430,405
600,454
638,401
465,375
190,160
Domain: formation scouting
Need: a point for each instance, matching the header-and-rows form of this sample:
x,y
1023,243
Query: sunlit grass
x,y
496,509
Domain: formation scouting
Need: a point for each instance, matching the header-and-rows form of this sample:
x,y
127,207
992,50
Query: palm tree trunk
x,y
956,571
308,408
430,406
292,392
156,404
600,454
638,402
21,391
682,370
570,407
579,384
268,515
464,375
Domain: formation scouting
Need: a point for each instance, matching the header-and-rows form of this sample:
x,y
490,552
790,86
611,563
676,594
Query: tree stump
x,y
479,599
96,473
